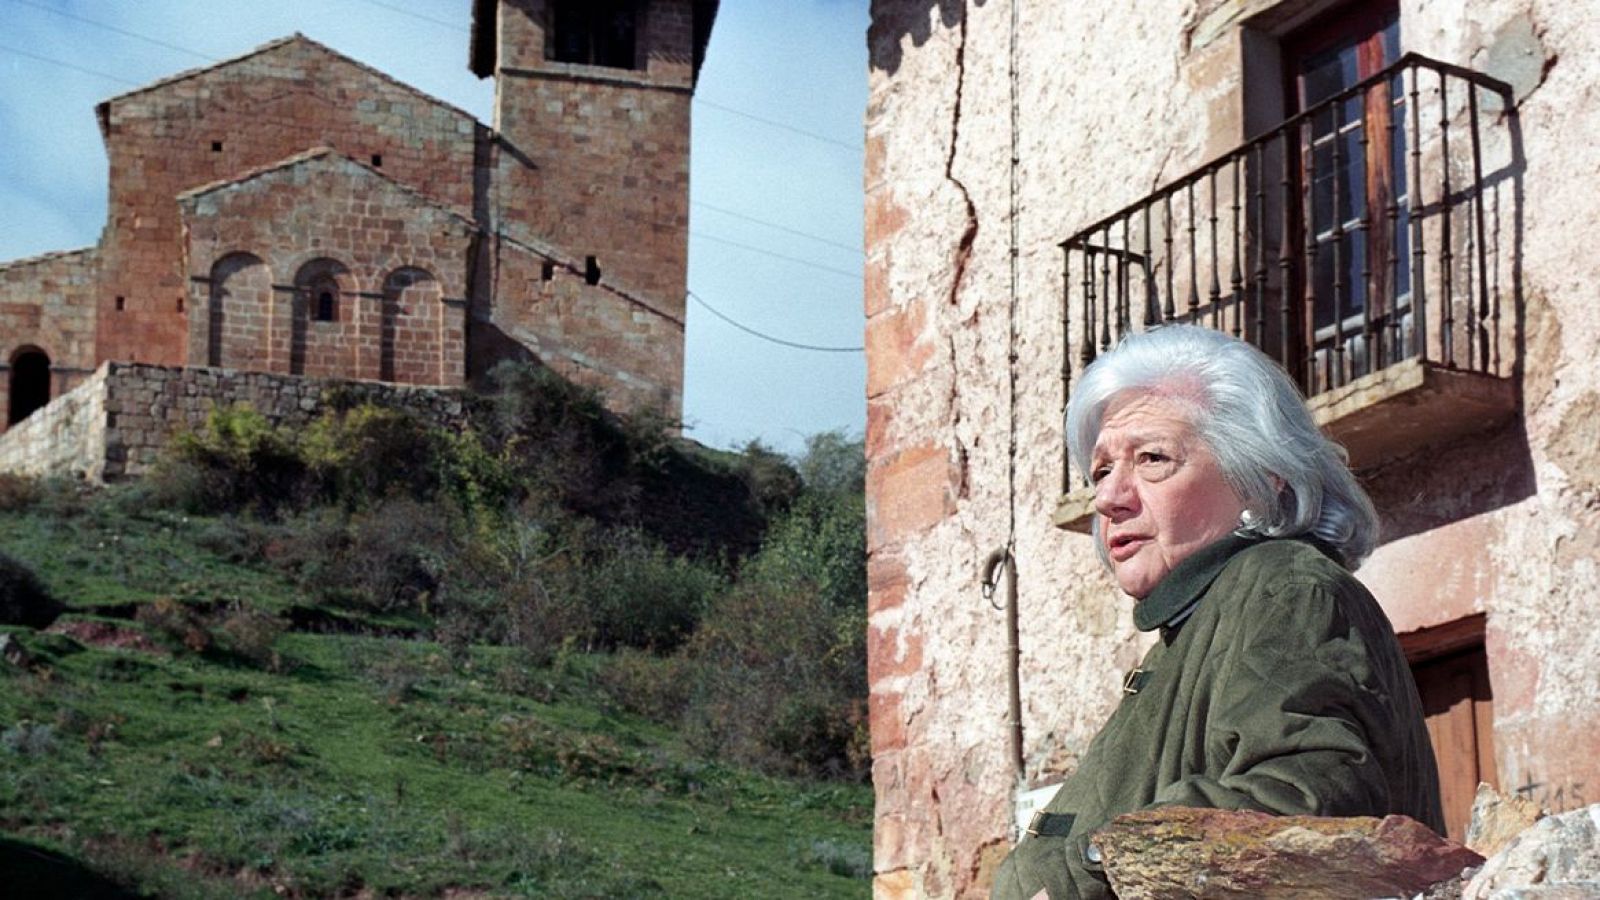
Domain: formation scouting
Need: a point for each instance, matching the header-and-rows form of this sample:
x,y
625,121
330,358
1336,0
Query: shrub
x,y
29,739
174,625
236,462
641,596
777,682
833,463
789,641
252,635
18,492
649,685
847,860
23,598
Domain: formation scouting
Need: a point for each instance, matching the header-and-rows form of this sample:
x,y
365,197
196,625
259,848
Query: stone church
x,y
294,211
1392,198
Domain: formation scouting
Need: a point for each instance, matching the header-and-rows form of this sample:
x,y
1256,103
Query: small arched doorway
x,y
30,384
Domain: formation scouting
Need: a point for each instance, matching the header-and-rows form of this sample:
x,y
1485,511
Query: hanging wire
x,y
767,337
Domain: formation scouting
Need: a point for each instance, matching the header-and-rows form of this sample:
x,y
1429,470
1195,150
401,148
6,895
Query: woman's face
x,y
1159,493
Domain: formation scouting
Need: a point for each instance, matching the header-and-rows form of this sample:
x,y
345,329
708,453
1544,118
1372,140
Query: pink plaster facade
x,y
1489,539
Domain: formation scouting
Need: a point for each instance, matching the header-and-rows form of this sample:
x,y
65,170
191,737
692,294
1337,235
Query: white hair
x,y
1292,479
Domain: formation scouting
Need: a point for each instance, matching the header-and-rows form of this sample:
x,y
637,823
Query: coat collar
x,y
1176,595
1187,581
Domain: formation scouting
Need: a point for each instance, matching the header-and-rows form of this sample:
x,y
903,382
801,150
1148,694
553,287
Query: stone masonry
x,y
116,423
295,211
1492,536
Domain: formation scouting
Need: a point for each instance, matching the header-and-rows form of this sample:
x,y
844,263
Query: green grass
x,y
372,764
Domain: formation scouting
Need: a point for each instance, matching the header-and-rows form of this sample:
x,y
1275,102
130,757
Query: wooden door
x,y
1460,712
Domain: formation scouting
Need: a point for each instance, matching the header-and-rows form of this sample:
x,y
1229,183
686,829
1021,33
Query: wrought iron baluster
x,y
1152,299
1336,359
1166,202
1066,356
1087,351
1447,303
1289,141
1105,291
1391,271
1260,239
1419,289
1308,326
1216,259
1364,226
1238,277
1483,247
1194,260
1124,298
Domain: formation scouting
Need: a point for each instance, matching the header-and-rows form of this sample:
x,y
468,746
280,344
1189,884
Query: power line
x,y
66,65
765,252
115,29
453,26
784,228
767,337
776,124
400,10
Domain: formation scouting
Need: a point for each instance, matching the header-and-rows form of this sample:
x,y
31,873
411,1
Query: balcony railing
x,y
1371,231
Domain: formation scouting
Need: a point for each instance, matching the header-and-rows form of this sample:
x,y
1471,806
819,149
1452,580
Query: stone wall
x,y
595,160
605,336
1110,105
213,124
589,163
47,305
66,438
392,268
116,424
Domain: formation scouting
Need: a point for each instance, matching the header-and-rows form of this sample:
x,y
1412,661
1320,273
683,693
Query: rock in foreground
x,y
1557,859
1177,852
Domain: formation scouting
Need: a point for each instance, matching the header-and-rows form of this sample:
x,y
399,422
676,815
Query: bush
x,y
779,662
23,598
834,464
174,625
649,685
641,596
18,492
778,681
252,635
238,461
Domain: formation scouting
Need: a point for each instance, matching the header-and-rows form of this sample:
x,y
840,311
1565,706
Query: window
x,y
324,297
1352,156
599,33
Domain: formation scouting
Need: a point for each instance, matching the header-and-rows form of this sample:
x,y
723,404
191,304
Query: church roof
x,y
291,40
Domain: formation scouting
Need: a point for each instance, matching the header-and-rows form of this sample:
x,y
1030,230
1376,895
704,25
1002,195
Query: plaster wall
x,y
1112,102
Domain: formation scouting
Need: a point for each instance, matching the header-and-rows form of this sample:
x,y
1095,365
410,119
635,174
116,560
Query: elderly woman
x,y
1275,683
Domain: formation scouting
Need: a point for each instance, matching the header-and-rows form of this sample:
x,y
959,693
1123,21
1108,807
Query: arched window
x,y
325,299
30,384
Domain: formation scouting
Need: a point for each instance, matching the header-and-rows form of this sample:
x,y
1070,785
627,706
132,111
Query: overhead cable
x,y
775,255
66,65
114,29
767,337
784,228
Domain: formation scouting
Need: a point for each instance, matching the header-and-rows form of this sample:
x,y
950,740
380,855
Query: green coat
x,y
1277,685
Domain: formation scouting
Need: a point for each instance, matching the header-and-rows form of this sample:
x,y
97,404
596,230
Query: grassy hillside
x,y
375,660
351,762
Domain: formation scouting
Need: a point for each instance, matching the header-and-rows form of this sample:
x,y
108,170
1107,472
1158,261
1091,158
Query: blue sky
x,y
775,181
